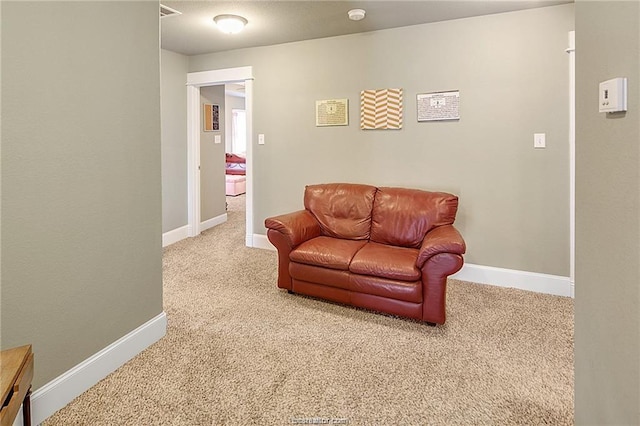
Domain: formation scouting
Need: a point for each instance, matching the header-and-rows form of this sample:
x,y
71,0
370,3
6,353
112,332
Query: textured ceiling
x,y
275,22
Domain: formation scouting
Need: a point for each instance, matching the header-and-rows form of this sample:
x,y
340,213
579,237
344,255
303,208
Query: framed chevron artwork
x,y
381,109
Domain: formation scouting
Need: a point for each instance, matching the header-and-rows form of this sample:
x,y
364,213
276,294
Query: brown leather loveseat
x,y
384,249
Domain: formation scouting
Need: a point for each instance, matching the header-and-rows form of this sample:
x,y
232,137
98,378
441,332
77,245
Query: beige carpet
x,y
238,351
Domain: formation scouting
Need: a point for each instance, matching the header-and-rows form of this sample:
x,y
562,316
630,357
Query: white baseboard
x,y
183,232
501,277
523,280
176,235
215,221
261,241
51,397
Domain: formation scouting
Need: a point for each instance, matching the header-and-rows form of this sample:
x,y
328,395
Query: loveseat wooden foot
x,y
290,291
432,324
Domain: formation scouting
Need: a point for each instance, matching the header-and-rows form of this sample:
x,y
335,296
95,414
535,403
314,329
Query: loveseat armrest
x,y
297,227
443,239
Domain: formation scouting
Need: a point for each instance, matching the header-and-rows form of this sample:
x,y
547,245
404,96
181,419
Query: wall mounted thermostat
x,y
613,95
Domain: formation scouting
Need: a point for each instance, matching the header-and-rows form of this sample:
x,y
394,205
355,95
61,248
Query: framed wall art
x,y
332,112
381,109
211,118
438,106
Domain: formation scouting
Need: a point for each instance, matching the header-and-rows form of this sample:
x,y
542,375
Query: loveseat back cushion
x,y
343,210
402,216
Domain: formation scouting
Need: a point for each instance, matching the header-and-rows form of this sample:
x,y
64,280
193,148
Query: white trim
x,y
512,278
214,221
572,159
175,235
261,241
248,107
193,160
501,277
195,80
214,77
572,289
62,390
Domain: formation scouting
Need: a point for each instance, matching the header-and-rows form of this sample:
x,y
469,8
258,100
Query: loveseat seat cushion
x,y
402,217
320,275
343,210
407,291
381,260
327,252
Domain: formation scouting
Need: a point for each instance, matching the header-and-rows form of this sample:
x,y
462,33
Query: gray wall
x,y
174,140
81,197
607,335
212,159
513,82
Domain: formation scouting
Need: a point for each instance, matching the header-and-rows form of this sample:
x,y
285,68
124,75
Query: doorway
x,y
195,81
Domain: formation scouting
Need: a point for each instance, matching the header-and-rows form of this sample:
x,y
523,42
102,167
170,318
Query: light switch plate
x,y
539,140
217,139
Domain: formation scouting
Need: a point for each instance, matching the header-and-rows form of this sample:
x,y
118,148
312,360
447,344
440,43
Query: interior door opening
x,y
195,81
235,147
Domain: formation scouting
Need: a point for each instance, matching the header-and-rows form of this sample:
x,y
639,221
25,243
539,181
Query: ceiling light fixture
x,y
356,14
230,24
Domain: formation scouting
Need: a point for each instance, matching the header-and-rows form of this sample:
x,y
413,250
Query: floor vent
x,y
167,11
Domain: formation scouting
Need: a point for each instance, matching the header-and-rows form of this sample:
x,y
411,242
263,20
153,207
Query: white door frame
x,y
196,80
571,50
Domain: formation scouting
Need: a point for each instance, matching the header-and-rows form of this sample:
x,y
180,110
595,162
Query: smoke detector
x,y
356,14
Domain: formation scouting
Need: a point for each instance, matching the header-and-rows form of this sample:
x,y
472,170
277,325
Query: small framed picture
x,y
438,106
211,118
381,109
332,112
